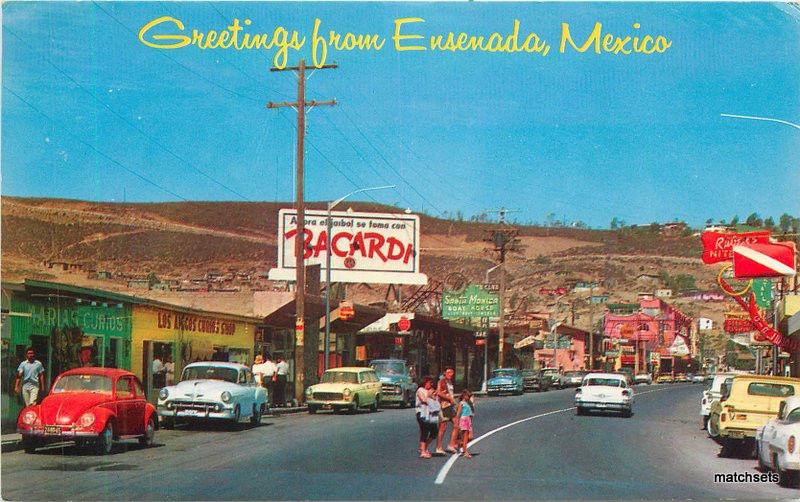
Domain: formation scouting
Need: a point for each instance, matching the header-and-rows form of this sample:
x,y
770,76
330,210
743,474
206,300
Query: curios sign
x,y
379,248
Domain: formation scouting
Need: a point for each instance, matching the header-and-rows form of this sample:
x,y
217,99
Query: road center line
x,y
452,460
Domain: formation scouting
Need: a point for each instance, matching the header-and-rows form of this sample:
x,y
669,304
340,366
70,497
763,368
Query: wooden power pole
x,y
300,366
504,238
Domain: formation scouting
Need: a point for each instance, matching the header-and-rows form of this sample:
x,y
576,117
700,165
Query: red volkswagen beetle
x,y
91,406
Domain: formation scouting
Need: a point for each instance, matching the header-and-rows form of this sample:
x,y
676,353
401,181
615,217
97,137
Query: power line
x,y
193,72
131,124
140,176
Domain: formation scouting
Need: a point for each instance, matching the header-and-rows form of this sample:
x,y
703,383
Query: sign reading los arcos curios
x,y
380,248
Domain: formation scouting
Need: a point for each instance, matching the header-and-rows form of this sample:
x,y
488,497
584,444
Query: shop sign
x,y
404,324
771,259
361,353
480,341
718,246
374,248
563,343
106,320
612,353
738,325
474,301
762,288
346,310
655,357
198,324
398,340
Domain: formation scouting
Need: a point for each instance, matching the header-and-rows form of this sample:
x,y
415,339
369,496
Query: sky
x,y
89,112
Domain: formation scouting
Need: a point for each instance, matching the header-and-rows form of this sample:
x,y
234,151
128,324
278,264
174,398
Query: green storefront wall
x,y
66,331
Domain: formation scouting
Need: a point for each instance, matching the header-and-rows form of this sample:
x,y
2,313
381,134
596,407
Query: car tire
x,y
712,427
149,433
728,449
255,418
580,411
355,407
376,403
627,413
237,416
312,410
405,401
705,423
105,441
29,444
761,465
785,478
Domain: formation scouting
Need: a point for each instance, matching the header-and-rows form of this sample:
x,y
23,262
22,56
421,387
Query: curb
x,y
287,411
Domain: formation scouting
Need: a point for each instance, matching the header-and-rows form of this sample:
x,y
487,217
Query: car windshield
x,y
528,373
339,377
388,367
97,384
573,374
504,373
608,382
770,389
210,373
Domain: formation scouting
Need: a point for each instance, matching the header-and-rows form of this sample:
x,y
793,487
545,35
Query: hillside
x,y
184,240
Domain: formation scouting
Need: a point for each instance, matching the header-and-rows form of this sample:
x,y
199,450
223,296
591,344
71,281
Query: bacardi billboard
x,y
378,248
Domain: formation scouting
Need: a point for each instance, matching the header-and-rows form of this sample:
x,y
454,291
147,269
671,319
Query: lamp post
x,y
486,335
329,224
554,333
775,352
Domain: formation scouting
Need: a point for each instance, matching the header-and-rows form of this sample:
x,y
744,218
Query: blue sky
x,y
583,136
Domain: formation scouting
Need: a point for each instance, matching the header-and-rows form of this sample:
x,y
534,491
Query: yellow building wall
x,y
200,333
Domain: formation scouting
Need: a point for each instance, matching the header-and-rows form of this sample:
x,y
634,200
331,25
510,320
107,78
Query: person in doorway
x,y
159,371
465,412
169,371
270,370
30,375
281,376
428,428
447,400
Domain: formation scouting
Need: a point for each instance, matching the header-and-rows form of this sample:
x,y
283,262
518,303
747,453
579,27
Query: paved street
x,y
658,453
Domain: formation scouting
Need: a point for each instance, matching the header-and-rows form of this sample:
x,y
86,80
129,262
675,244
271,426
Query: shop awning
x,y
364,316
284,316
528,341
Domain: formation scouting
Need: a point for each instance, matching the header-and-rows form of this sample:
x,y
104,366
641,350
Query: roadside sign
x,y
480,341
404,324
718,246
474,301
773,259
762,288
346,310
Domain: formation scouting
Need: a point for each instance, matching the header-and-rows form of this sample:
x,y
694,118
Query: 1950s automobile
x,y
777,445
213,391
90,406
347,388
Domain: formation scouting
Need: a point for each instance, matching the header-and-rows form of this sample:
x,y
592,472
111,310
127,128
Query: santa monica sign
x,y
378,248
474,301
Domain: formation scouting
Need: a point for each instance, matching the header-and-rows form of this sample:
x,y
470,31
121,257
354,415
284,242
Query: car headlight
x,y
86,420
309,391
163,394
29,417
346,393
226,397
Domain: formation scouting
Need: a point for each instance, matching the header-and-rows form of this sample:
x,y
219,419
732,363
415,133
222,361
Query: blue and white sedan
x,y
505,380
213,391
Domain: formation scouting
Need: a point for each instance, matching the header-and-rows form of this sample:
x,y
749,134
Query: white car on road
x,y
777,442
604,391
213,391
712,393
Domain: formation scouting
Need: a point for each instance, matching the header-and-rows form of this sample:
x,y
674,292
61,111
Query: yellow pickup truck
x,y
746,404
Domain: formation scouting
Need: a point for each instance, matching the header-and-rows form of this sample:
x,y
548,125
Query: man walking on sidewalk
x,y
31,374
282,373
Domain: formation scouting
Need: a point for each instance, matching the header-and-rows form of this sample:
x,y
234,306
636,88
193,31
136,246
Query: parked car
x,y
645,378
553,375
604,391
505,380
777,445
346,388
712,393
745,405
681,378
213,391
91,406
535,380
397,384
698,378
628,372
665,378
572,379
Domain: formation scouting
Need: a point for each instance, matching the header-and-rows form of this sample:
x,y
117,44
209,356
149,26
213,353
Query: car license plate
x,y
736,434
52,429
601,405
327,406
190,412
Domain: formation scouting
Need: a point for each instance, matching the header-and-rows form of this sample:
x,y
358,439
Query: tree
x,y
709,222
614,223
754,220
785,222
735,220
769,222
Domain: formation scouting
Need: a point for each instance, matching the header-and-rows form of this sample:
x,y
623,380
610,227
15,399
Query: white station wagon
x,y
604,391
212,391
777,442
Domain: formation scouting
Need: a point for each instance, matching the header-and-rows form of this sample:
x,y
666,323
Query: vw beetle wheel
x,y
29,444
149,433
106,439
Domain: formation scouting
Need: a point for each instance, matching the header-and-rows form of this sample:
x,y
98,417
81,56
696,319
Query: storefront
x,y
163,334
67,326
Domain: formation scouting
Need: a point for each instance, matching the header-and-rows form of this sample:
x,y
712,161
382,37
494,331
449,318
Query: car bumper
x,y
64,435
736,433
330,404
602,405
207,413
531,386
391,398
504,388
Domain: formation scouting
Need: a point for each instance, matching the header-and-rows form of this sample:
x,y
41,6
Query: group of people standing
x,y
437,407
273,376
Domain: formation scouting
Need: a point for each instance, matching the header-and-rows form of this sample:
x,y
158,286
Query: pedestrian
x,y
465,412
30,374
258,373
428,426
169,370
281,376
271,377
447,400
158,372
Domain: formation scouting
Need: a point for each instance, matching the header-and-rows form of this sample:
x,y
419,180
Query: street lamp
x,y
486,335
554,333
329,223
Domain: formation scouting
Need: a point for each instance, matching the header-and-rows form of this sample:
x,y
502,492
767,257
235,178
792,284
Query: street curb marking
x,y
452,460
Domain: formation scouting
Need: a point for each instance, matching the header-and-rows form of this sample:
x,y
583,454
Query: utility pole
x,y
300,106
504,238
591,326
